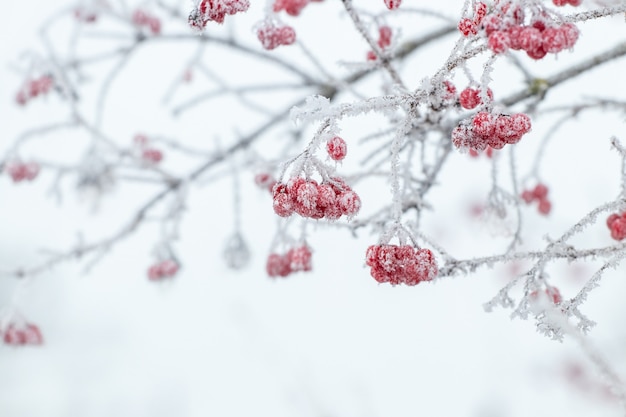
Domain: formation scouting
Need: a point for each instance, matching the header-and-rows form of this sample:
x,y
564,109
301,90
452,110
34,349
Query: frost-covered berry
x,y
483,124
617,225
467,27
470,97
570,34
384,36
282,205
300,258
392,4
498,41
349,202
291,7
336,148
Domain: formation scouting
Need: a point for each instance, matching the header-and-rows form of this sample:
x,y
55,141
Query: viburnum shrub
x,y
248,112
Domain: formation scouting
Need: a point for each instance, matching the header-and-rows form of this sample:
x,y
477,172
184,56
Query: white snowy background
x,y
329,343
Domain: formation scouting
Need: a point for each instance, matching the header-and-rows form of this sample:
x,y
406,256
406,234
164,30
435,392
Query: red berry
x,y
384,36
469,98
264,180
611,219
498,41
570,33
467,27
483,125
491,24
300,258
291,7
350,203
553,40
528,196
544,206
480,13
336,148
392,4
282,205
540,191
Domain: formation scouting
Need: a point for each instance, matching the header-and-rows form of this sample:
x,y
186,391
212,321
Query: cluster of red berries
x,y
272,36
33,88
141,18
616,223
163,269
306,197
216,11
384,40
84,15
148,154
292,7
393,4
539,194
470,97
401,264
336,148
469,26
486,129
20,171
537,39
25,334
295,260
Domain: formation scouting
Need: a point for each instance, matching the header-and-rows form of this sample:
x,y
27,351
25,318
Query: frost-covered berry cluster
x,y
402,264
296,259
539,194
33,88
21,171
163,269
306,197
273,35
215,10
23,333
488,130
